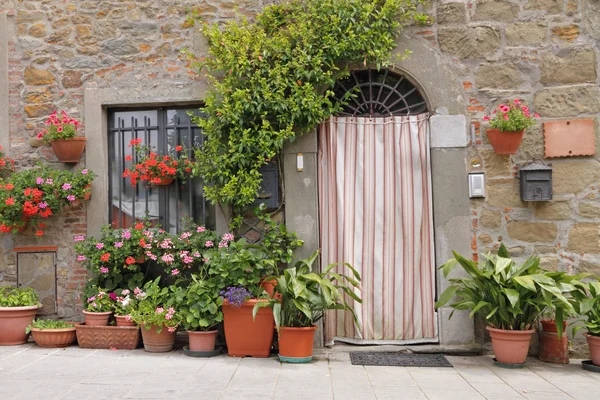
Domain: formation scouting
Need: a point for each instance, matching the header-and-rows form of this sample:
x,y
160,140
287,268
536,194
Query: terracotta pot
x,y
122,321
550,326
268,286
140,260
68,150
97,318
296,344
553,349
244,336
54,337
88,194
505,142
594,345
163,182
510,347
25,220
202,340
155,342
13,321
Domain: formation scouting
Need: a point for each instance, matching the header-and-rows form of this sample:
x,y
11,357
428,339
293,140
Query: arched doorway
x,y
376,209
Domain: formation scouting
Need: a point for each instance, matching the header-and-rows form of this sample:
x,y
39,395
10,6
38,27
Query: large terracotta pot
x,y
97,318
594,345
122,321
202,340
68,150
510,347
13,322
505,142
157,342
54,337
296,344
244,336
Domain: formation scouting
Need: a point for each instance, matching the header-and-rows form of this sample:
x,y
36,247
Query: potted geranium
x,y
156,169
7,164
590,308
510,298
156,315
124,303
61,134
99,308
303,298
50,333
18,307
508,123
200,306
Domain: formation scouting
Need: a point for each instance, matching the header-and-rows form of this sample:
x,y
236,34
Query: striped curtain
x,y
376,214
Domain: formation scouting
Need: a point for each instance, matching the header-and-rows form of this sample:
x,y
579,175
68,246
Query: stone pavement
x,y
30,372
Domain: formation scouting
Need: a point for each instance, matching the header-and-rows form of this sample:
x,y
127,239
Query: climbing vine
x,y
271,81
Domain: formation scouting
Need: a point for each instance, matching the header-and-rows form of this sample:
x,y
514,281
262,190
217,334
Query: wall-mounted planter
x,y
505,142
69,150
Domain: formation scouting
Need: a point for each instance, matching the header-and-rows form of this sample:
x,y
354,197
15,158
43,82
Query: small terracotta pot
x,y
505,142
550,326
510,347
122,321
244,335
553,349
155,342
268,286
202,340
25,220
296,344
69,150
97,318
594,345
141,259
88,194
163,182
13,322
52,338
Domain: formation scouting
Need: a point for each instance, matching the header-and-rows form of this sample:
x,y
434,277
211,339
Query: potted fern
x,y
302,298
510,297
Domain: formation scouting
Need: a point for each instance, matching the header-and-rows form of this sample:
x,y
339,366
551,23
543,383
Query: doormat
x,y
399,359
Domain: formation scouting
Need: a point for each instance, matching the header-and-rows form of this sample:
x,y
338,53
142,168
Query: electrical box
x,y
476,185
269,187
536,182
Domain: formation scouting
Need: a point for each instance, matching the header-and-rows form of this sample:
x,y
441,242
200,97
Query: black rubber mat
x,y
399,359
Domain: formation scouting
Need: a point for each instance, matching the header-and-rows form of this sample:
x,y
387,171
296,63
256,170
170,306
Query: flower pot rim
x,y
247,303
515,331
97,312
53,330
589,335
75,138
202,332
499,130
299,328
20,308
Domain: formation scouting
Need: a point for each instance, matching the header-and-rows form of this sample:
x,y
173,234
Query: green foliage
x,y
155,306
590,308
59,126
272,79
278,243
18,297
200,304
306,295
507,295
100,301
48,324
511,117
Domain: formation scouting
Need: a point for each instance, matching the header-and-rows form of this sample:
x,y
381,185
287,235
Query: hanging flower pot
x,y
161,181
157,342
68,150
296,344
505,142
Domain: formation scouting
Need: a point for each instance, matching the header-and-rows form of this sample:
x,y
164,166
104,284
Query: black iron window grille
x,y
380,93
162,129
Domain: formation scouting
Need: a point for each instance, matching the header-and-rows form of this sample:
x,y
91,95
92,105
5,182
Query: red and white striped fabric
x,y
376,214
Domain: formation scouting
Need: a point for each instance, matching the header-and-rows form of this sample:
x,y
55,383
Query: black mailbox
x,y
536,182
269,187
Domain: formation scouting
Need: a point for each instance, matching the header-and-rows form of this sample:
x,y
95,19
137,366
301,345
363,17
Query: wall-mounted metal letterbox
x,y
536,182
269,187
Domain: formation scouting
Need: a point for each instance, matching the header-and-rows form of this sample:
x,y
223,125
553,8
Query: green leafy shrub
x,y
272,80
200,304
18,297
589,307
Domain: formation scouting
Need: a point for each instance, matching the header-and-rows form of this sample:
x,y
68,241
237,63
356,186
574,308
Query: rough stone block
x,y
532,231
551,6
490,219
589,267
448,131
526,33
469,42
36,77
558,210
565,33
575,176
504,195
451,13
567,67
584,238
496,10
589,209
499,76
496,165
550,263
567,101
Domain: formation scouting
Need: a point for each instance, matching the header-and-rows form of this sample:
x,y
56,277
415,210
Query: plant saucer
x,y
202,354
508,366
589,366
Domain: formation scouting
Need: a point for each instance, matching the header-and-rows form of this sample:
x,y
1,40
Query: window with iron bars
x,y
162,129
